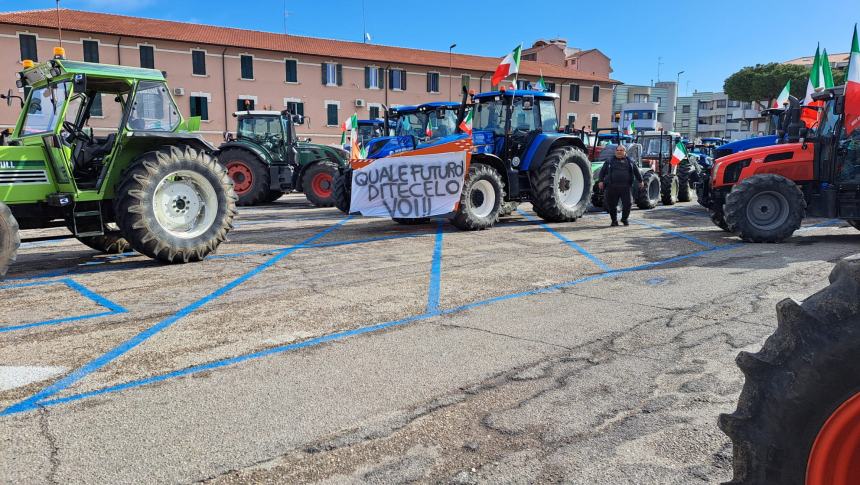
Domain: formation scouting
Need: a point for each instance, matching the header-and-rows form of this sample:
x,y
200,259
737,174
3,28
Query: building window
x,y
432,82
243,104
200,107
571,120
292,71
574,92
247,65
397,79
28,47
331,113
730,116
685,108
640,98
373,112
550,87
295,107
332,74
721,104
465,80
373,78
659,101
147,56
685,123
594,120
91,50
523,84
96,107
595,94
198,63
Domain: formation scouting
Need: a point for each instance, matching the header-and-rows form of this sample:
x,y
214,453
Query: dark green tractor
x,y
265,160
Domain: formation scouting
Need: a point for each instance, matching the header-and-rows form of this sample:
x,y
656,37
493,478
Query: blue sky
x,y
707,40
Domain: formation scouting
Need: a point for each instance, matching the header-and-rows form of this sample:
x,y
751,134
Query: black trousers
x,y
610,201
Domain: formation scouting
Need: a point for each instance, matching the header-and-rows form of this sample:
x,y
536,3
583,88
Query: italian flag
x,y
809,116
510,65
783,95
541,84
852,88
466,124
826,72
355,151
631,129
678,154
343,129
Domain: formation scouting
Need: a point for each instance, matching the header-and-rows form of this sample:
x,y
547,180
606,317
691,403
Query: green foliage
x,y
765,81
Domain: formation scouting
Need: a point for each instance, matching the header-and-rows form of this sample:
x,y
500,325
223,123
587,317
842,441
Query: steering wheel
x,y
75,133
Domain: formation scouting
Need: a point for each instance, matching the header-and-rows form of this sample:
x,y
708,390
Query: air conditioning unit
x,y
359,103
179,91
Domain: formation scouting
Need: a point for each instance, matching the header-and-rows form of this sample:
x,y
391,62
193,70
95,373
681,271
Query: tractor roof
x,y
517,93
373,122
421,107
257,112
93,69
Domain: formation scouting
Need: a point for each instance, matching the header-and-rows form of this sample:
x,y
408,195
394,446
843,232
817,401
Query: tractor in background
x,y
646,197
677,182
266,159
151,184
763,194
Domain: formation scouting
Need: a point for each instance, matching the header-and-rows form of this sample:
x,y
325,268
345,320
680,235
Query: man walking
x,y
616,178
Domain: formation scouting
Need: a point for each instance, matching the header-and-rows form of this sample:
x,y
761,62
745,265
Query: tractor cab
x,y
370,129
273,131
412,127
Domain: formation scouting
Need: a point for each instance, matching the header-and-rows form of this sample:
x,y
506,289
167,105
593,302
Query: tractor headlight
x,y
515,162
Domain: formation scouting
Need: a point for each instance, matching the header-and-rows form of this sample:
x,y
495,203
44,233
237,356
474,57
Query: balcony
x,y
712,112
710,127
744,114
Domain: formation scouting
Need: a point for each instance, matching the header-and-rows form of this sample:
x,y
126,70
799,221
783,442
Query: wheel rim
x,y
767,210
571,185
321,184
483,198
185,204
242,176
835,455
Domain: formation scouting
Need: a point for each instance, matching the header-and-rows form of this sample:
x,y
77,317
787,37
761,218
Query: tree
x,y
765,81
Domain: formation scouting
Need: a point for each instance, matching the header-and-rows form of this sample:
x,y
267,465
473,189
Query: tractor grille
x,y
23,177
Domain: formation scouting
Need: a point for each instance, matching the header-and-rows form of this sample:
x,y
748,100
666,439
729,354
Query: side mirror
x,y
298,119
7,97
528,102
80,83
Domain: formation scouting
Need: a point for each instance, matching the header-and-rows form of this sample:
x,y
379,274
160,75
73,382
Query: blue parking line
x,y
827,223
689,211
435,287
101,361
581,250
113,308
359,331
675,234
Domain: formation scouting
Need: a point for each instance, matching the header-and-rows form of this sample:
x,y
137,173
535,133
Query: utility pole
x,y
659,63
675,108
450,69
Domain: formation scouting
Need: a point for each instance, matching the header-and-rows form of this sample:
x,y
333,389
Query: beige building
x,y
556,51
214,71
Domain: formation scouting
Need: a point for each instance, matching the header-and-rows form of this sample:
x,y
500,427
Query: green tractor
x,y
265,159
147,184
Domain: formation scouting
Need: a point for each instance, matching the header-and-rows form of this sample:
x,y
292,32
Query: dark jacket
x,y
605,174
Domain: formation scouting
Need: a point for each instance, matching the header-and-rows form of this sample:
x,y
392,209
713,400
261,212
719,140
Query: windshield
x,y
651,146
261,128
153,108
829,119
490,116
548,118
369,132
411,124
445,126
44,109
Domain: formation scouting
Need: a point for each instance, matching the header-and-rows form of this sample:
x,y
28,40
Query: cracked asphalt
x,y
316,349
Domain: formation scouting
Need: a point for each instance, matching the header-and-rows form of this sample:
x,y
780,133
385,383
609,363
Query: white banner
x,y
409,186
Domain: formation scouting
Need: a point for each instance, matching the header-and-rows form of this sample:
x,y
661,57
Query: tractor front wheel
x,y
176,204
669,188
318,183
765,208
249,174
342,190
649,195
111,242
718,219
10,239
481,199
685,191
798,413
562,186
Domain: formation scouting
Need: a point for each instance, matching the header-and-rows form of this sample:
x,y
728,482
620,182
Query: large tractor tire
x,y
481,200
272,196
508,208
685,189
250,176
342,191
765,208
669,188
855,223
649,195
175,204
10,239
718,219
561,188
111,242
797,416
318,183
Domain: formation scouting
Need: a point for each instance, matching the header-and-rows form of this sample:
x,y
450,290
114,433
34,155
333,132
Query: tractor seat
x,y
87,159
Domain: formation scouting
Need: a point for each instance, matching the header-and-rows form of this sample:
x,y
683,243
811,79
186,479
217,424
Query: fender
x,y
509,177
542,144
248,147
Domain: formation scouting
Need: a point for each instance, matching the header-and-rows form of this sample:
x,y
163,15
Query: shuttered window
x,y
331,114
574,92
147,56
200,107
28,47
292,68
397,79
91,51
432,82
595,94
247,64
198,63
332,74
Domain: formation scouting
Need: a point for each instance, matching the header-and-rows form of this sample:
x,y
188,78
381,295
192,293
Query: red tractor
x,y
763,194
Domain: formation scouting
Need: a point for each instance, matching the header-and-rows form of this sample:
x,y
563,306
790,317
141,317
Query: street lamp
x,y
677,92
450,67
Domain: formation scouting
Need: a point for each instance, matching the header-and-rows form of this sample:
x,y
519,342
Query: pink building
x,y
557,52
215,71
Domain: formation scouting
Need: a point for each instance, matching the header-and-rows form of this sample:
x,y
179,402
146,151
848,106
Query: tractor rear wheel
x,y
765,208
685,170
10,239
111,242
649,196
318,183
175,204
718,219
797,415
342,190
855,223
562,186
669,188
249,174
481,199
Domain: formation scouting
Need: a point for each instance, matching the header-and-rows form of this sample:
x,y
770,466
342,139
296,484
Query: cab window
x,y
548,118
153,108
44,109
